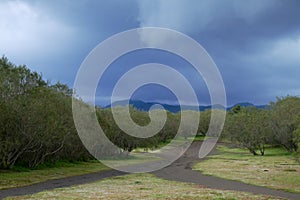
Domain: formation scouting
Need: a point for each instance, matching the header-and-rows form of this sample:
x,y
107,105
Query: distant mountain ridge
x,y
145,106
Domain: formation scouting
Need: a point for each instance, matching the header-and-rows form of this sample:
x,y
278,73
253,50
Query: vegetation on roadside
x,y
140,186
277,169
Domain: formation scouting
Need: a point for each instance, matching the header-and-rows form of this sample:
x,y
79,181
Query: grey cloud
x,y
255,44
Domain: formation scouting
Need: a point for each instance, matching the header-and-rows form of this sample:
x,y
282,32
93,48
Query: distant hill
x,y
247,104
145,106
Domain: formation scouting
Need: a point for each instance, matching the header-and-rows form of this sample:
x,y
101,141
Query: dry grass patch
x,y
277,169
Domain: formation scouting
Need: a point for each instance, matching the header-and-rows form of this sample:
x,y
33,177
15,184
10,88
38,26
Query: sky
x,y
255,44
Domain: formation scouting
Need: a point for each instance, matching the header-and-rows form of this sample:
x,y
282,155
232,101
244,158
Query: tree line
x,y
36,123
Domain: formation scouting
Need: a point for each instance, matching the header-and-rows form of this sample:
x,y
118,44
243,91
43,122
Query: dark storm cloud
x,y
255,44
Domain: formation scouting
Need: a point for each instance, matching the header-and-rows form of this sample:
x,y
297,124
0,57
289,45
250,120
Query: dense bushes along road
x,y
36,123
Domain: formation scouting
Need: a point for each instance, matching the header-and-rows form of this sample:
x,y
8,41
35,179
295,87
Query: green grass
x,y
277,169
20,176
140,186
133,159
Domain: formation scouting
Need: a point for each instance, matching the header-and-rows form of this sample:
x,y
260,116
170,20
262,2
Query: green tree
x,y
250,128
285,122
204,122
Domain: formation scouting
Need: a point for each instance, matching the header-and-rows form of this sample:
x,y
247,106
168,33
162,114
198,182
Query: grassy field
x,y
140,186
277,169
21,176
134,158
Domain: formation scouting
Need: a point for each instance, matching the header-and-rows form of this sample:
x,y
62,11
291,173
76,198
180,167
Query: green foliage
x,y
255,128
285,122
249,127
36,122
127,142
204,122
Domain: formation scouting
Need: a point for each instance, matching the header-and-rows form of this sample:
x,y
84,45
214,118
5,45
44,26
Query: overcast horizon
x,y
255,44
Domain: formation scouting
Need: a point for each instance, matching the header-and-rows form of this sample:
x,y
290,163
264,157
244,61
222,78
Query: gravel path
x,y
180,170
